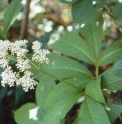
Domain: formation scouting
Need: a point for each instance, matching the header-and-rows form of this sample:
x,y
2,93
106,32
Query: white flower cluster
x,y
17,50
39,54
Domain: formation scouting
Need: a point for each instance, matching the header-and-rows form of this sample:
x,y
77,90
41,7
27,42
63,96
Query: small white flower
x,y
36,46
8,77
16,46
21,52
4,45
39,54
4,62
3,53
22,64
26,81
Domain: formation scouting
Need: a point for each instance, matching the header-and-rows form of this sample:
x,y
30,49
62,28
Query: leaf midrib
x,y
90,111
69,70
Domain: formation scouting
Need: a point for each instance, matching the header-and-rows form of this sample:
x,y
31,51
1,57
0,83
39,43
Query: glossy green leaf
x,y
92,112
117,68
60,108
11,14
117,11
110,81
94,91
43,89
68,1
113,111
25,115
111,54
93,32
82,11
64,67
71,44
62,88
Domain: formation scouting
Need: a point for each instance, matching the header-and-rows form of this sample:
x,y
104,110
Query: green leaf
x,y
68,1
93,90
92,32
64,67
72,45
113,111
82,11
92,112
11,14
25,115
62,88
110,81
43,89
117,11
59,109
117,68
111,54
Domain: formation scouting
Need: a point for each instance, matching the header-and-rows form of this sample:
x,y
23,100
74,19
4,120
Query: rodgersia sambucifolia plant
x,y
54,101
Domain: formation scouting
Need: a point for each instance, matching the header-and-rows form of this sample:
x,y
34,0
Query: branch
x,y
24,25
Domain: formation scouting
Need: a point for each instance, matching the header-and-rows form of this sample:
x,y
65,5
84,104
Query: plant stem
x,y
97,71
54,76
24,25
